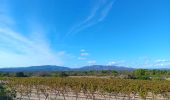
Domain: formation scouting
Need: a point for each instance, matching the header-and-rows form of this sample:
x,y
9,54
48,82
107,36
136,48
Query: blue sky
x,y
74,33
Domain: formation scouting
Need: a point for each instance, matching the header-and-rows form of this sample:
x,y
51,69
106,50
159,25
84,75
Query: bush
x,y
63,74
144,78
20,74
5,93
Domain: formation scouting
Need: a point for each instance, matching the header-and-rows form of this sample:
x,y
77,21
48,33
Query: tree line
x,y
135,74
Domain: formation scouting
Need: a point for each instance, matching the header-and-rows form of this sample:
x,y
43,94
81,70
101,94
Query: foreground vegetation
x,y
140,83
89,87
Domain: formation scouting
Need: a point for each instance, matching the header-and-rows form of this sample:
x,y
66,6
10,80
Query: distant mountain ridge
x,y
61,68
104,67
36,68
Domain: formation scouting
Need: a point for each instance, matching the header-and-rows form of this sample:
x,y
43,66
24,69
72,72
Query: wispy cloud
x,y
16,49
151,63
82,50
162,63
162,60
83,55
106,10
117,62
98,14
91,62
112,63
5,20
82,58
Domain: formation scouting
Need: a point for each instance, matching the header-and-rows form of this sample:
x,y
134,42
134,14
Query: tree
x,y
140,72
63,74
5,94
20,74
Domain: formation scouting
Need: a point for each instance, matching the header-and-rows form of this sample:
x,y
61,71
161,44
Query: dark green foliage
x,y
5,93
143,78
2,91
63,74
140,72
20,74
43,74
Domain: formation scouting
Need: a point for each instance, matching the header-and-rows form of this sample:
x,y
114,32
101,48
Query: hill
x,y
61,68
36,68
104,67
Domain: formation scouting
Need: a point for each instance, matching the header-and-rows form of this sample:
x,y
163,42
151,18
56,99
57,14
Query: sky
x,y
75,33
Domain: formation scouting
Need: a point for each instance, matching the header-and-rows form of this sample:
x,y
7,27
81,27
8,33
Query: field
x,y
87,89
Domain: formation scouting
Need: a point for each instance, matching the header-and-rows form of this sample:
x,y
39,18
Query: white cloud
x,y
19,50
84,54
116,62
106,10
81,58
162,63
91,62
152,63
112,63
98,14
82,50
162,60
145,62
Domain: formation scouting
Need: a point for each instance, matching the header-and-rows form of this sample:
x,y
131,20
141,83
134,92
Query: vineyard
x,y
87,89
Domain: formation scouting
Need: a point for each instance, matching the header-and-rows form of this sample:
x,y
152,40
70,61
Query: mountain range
x,y
62,68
